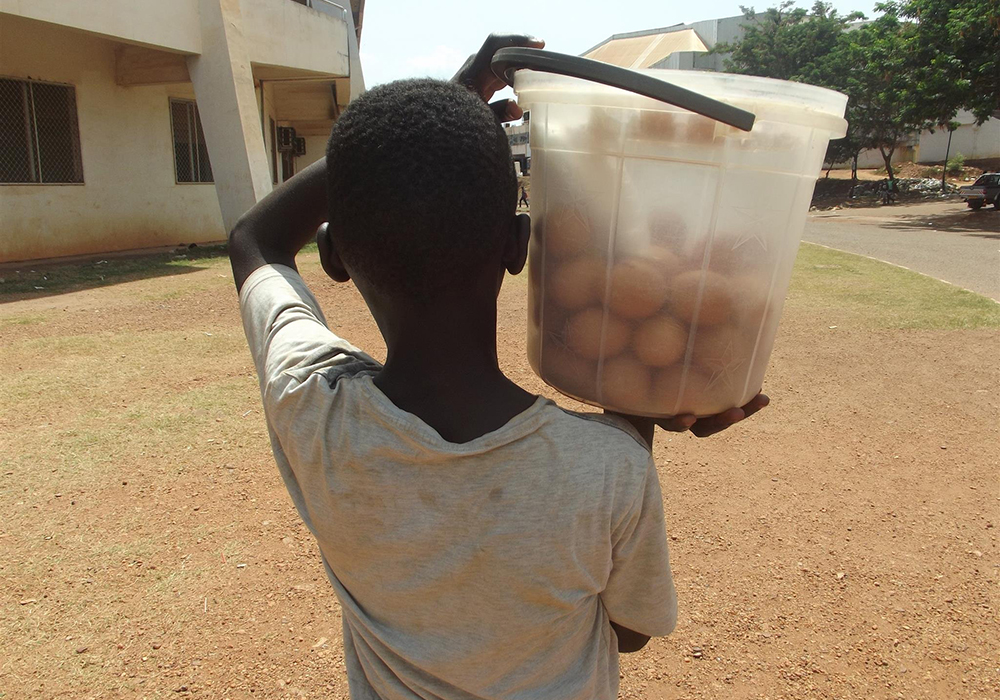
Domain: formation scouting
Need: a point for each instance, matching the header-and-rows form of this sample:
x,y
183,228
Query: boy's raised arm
x,y
277,227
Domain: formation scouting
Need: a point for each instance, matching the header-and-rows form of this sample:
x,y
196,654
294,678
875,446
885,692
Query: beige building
x,y
129,124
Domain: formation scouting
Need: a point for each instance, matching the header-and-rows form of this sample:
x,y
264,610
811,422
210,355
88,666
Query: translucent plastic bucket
x,y
663,241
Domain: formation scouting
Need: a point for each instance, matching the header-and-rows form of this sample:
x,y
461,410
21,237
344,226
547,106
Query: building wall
x,y
320,40
971,141
315,149
173,25
129,198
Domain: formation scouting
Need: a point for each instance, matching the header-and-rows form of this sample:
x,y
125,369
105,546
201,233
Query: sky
x,y
431,38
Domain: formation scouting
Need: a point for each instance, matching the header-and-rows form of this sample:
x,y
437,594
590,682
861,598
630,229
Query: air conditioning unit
x,y
286,138
300,146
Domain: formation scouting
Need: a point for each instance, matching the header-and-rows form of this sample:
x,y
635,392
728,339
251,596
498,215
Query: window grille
x,y
191,162
39,133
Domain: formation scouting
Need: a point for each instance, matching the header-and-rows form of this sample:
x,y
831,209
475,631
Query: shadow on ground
x,y
984,223
31,281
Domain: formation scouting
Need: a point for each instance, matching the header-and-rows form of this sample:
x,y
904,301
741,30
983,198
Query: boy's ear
x,y
515,253
328,256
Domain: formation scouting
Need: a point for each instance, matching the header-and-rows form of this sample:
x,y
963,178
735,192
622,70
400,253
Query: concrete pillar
x,y
223,86
357,75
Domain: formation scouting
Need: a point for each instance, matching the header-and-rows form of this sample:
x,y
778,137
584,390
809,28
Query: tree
x,y
874,64
785,42
957,47
790,43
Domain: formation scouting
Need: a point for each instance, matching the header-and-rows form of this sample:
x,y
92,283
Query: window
x,y
191,163
39,133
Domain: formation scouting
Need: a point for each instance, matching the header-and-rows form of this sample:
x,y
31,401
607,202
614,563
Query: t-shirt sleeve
x,y
287,333
640,592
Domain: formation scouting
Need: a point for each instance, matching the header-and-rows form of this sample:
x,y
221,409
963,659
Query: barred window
x,y
39,133
191,163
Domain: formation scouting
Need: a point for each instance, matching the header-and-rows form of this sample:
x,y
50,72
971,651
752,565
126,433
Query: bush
x,y
955,164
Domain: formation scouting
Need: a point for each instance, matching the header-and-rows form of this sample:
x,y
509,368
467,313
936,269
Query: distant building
x,y
517,136
680,46
146,123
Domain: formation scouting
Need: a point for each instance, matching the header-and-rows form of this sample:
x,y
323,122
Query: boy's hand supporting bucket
x,y
477,75
701,427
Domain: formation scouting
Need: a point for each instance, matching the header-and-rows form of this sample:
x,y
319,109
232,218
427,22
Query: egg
x,y
698,129
702,396
565,232
625,384
723,347
638,288
584,330
577,283
660,341
567,371
750,295
665,260
604,128
657,125
716,298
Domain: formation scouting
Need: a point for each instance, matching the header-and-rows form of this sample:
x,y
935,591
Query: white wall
x,y
970,140
172,24
284,33
315,149
129,198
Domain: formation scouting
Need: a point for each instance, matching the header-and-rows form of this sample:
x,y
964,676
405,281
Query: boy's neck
x,y
442,367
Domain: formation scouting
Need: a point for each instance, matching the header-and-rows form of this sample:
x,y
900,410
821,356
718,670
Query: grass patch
x,y
31,280
878,295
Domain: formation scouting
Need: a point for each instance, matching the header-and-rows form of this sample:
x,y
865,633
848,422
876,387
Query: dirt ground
x,y
841,545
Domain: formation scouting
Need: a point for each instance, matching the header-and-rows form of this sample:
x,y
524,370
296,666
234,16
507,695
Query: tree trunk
x,y
887,157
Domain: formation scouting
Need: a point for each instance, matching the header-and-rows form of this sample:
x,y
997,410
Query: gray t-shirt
x,y
487,569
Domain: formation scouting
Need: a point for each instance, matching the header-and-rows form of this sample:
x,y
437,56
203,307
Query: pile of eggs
x,y
652,331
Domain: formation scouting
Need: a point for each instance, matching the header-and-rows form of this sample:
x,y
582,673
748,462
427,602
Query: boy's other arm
x,y
629,640
278,226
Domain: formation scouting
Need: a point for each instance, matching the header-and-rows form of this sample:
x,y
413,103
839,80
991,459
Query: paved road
x,y
941,239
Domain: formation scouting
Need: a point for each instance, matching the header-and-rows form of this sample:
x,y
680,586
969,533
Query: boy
x,y
483,542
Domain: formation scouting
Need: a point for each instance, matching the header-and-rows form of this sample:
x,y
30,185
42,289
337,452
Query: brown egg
x,y
723,347
583,334
577,283
657,125
667,228
750,295
638,288
625,384
665,260
703,395
604,128
660,341
716,300
567,371
698,129
565,231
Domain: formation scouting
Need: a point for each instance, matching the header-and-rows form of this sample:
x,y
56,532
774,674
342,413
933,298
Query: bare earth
x,y
841,545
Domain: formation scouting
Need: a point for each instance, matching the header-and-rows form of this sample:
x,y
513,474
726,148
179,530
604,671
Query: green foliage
x,y
874,65
955,164
785,42
957,53
911,68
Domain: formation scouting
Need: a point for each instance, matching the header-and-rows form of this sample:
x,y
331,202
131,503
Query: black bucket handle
x,y
507,61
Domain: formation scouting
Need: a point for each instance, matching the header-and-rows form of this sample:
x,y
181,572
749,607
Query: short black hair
x,y
421,187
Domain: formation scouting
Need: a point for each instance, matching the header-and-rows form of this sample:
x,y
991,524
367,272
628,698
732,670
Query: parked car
x,y
985,190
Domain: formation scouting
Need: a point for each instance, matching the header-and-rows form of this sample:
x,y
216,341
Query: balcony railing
x,y
325,6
